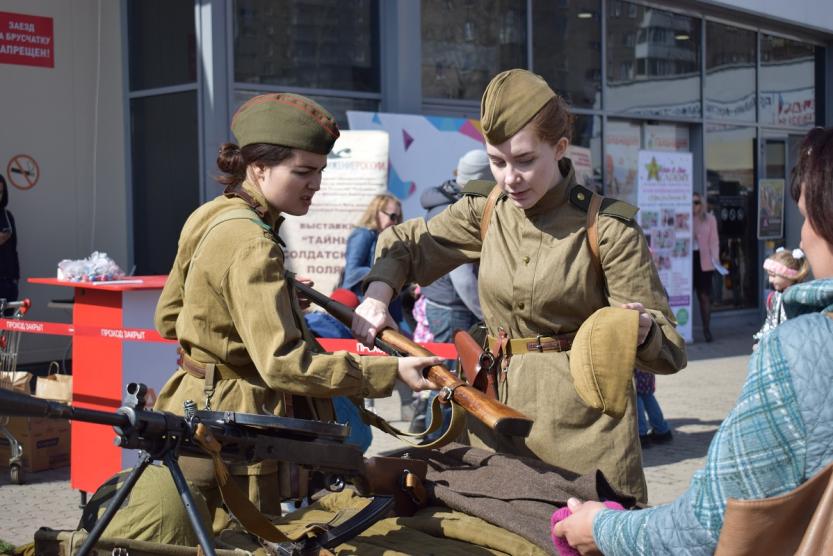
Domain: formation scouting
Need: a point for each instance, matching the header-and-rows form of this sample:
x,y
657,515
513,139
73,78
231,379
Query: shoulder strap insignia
x,y
580,197
480,188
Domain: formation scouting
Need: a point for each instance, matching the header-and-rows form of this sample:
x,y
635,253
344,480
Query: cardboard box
x,y
45,443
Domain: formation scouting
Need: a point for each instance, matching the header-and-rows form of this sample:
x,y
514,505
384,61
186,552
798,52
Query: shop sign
x,y
795,108
771,208
26,40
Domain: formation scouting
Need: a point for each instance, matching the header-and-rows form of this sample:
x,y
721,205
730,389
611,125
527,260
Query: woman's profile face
x,y
697,204
290,186
819,253
389,215
525,167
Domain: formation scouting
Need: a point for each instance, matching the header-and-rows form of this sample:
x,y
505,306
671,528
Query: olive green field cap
x,y
285,119
603,357
511,99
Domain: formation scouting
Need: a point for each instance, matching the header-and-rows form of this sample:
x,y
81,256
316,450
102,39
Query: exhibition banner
x,y
424,150
664,199
357,170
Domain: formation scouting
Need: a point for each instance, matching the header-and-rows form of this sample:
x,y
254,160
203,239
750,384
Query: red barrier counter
x,y
108,358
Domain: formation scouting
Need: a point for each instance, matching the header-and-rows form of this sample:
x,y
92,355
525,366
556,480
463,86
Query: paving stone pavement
x,y
694,401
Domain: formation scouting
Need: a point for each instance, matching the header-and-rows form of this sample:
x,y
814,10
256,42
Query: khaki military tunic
x,y
537,276
226,301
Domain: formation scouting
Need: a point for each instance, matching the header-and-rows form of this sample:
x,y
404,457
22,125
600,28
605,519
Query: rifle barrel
x,y
491,412
22,405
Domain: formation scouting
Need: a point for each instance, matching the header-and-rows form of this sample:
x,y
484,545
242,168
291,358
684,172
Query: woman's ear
x,y
560,148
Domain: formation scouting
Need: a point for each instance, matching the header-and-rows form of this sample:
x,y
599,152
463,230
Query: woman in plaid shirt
x,y
778,434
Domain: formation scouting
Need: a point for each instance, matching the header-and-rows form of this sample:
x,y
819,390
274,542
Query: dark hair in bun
x,y
233,161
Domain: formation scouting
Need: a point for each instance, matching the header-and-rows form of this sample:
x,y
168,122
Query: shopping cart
x,y
9,345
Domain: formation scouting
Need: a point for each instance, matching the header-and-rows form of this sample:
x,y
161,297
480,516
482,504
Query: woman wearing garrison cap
x,y
553,256
243,342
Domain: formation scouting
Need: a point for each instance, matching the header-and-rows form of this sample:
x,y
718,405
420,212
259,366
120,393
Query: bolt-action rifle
x,y
239,438
497,416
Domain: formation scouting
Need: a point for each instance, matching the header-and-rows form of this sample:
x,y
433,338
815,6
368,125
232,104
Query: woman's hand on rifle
x,y
372,316
410,372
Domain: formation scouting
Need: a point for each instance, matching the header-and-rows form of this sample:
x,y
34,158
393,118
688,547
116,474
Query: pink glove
x,y
561,544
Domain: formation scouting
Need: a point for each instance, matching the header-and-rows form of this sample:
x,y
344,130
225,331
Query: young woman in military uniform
x,y
539,281
243,342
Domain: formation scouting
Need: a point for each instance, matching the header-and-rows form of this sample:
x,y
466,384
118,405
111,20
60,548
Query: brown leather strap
x,y
200,370
593,228
491,201
561,342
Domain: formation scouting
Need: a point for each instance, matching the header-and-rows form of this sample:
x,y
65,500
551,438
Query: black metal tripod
x,y
168,458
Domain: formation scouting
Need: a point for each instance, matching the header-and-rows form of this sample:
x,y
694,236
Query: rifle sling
x,y
455,427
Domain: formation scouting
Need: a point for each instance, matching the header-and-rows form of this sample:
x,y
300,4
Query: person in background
x,y
538,283
784,268
324,325
706,253
452,302
778,434
384,211
243,342
653,428
9,262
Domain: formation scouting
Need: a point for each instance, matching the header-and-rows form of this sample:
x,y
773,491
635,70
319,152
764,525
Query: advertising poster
x,y
665,185
582,164
424,150
771,208
357,170
622,141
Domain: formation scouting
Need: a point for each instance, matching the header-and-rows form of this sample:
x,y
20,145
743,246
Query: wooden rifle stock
x,y
495,415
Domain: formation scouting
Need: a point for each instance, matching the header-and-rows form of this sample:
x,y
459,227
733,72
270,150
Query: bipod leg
x,y
102,523
204,538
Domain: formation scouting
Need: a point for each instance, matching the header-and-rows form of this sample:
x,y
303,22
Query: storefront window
x,y
325,44
586,151
165,175
465,43
730,196
337,106
566,49
163,47
787,82
653,62
730,73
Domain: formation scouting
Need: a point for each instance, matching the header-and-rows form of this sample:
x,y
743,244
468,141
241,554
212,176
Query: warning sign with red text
x,y
26,40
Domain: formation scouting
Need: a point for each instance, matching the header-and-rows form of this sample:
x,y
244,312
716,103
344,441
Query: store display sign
x,y
357,171
26,40
664,199
771,208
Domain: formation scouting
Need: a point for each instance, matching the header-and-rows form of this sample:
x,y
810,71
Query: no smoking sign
x,y
23,171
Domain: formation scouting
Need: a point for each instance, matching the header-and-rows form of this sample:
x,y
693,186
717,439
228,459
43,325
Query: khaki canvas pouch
x,y
603,357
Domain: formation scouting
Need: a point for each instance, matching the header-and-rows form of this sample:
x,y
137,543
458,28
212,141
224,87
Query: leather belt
x,y
200,370
561,342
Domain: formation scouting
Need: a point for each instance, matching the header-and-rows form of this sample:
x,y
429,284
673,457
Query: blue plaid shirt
x,y
775,438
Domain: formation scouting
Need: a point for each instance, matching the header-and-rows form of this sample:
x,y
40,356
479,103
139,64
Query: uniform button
x,y
580,196
526,260
521,305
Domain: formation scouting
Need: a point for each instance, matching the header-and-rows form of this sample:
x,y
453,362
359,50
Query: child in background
x,y
646,403
785,268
